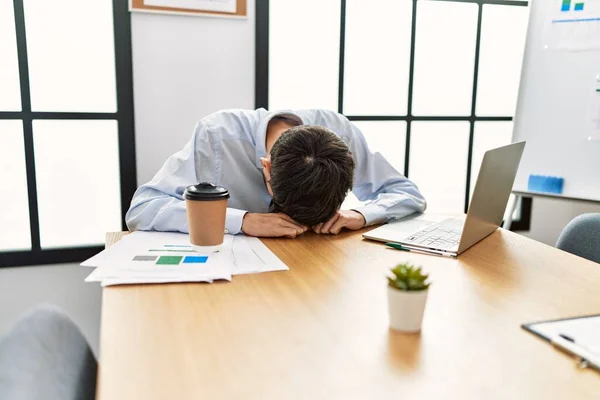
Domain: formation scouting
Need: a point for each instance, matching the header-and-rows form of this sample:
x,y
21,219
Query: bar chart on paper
x,y
158,254
566,6
172,260
574,25
172,254
158,257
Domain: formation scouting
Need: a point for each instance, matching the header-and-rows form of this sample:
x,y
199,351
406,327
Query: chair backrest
x,y
45,355
582,237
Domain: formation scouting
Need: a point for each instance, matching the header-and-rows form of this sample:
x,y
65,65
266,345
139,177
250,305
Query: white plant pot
x,y
406,309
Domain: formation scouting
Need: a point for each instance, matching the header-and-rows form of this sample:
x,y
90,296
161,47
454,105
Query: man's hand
x,y
352,220
271,225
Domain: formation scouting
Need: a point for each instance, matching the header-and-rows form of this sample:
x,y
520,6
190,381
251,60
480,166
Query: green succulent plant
x,y
407,277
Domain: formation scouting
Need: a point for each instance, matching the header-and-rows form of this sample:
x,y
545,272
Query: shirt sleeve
x,y
388,194
159,204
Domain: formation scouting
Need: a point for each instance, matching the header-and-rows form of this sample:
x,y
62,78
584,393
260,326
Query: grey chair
x,y
45,357
582,237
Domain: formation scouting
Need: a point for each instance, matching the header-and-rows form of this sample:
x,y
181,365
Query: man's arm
x,y
271,225
159,204
389,194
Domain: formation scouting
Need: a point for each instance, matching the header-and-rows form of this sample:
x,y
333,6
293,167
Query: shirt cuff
x,y
233,222
373,214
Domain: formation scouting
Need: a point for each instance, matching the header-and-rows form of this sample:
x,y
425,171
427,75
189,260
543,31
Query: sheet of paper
x,y
197,5
585,331
130,245
136,281
252,256
157,272
145,250
131,277
574,25
158,255
166,257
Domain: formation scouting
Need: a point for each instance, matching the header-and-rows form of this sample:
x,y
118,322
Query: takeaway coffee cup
x,y
206,206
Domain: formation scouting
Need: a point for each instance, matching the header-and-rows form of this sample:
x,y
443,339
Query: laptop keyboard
x,y
444,235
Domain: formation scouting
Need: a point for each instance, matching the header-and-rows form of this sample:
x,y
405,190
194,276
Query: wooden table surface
x,y
320,330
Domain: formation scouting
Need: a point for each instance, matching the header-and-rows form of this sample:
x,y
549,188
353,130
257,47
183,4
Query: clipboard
x,y
579,336
537,328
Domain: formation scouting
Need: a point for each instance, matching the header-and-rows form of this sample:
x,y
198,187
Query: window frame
x,y
262,77
125,122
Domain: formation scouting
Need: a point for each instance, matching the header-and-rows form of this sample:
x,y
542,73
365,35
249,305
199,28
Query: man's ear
x,y
266,164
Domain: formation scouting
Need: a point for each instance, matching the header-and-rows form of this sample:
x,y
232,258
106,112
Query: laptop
x,y
452,236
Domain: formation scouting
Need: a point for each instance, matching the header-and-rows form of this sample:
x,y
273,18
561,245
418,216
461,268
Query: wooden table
x,y
320,330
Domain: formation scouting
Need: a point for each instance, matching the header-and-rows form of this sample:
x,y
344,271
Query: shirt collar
x,y
261,132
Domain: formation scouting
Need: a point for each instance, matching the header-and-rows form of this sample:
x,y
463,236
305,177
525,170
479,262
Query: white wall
x,y
184,68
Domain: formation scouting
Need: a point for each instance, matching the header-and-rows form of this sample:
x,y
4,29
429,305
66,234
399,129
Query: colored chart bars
x,y
566,6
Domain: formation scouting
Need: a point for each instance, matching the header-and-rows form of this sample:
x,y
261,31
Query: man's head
x,y
309,172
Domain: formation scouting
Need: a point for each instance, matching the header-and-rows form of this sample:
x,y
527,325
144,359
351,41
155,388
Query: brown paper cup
x,y
206,206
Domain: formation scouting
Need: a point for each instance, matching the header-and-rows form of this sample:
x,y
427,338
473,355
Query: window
x,y
67,158
432,84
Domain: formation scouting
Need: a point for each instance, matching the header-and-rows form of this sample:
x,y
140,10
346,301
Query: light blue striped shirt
x,y
226,148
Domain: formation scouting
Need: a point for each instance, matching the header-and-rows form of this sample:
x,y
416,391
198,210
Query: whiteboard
x,y
553,110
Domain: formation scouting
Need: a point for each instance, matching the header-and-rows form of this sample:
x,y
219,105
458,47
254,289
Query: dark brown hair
x,y
311,173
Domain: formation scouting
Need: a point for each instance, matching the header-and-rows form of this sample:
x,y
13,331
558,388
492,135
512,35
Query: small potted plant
x,y
407,295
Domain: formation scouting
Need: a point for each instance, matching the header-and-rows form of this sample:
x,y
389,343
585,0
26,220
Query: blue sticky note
x,y
548,184
195,259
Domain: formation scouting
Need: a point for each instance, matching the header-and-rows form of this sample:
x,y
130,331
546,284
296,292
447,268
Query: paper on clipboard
x,y
586,330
